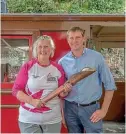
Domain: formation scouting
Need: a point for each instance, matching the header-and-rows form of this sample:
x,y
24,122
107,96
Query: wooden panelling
x,y
62,17
17,32
116,110
40,25
35,35
9,106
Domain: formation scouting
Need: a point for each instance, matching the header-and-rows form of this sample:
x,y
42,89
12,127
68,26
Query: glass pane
x,y
115,59
14,52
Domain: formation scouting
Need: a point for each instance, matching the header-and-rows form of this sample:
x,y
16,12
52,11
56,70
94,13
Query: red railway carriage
x,y
104,32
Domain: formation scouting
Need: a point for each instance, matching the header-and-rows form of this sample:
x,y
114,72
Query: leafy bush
x,y
66,6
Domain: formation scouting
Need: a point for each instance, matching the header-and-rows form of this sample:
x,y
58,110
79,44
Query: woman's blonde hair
x,y
35,44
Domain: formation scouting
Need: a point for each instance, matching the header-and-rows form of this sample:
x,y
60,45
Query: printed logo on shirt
x,y
35,76
51,78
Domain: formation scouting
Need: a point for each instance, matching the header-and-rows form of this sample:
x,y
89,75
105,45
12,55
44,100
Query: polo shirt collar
x,y
84,52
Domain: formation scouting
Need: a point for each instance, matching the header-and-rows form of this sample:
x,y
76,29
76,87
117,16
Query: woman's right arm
x,y
22,97
18,89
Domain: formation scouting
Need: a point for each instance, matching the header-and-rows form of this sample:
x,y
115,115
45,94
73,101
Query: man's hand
x,y
67,87
97,115
100,114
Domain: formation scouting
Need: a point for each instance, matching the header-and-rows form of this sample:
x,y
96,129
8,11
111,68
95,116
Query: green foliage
x,y
31,6
106,6
78,7
72,6
66,6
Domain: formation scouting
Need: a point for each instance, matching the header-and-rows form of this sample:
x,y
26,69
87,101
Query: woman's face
x,y
44,49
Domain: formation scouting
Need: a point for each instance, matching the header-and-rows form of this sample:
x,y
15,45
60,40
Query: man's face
x,y
75,40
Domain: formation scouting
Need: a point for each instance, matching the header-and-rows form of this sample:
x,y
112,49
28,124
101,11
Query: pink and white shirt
x,y
38,81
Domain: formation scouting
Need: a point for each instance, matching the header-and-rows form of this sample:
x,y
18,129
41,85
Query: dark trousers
x,y
78,118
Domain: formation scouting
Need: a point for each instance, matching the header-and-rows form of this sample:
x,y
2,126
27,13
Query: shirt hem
x,y
51,122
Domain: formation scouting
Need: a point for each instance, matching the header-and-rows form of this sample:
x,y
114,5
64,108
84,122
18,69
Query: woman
x,y
35,80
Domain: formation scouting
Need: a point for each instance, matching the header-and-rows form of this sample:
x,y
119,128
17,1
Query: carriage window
x,y
115,59
14,52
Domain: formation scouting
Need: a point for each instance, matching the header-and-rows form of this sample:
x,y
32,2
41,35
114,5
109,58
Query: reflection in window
x,y
115,59
14,52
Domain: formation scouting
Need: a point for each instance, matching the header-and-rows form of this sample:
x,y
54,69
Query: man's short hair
x,y
74,29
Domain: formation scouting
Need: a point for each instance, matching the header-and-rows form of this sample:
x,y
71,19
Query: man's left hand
x,y
67,87
97,115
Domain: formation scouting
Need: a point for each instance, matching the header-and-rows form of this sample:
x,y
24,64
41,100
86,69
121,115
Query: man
x,y
81,110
